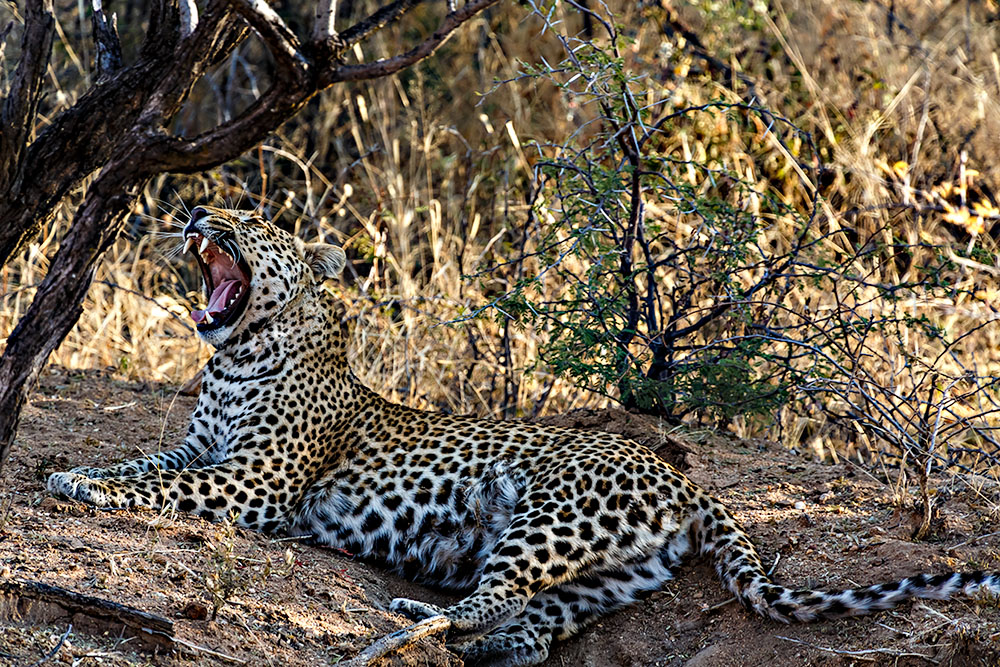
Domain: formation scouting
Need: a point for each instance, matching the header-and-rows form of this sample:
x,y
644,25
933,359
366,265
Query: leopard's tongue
x,y
216,302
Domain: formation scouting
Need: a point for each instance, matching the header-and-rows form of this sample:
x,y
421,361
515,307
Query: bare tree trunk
x,y
82,139
58,303
119,127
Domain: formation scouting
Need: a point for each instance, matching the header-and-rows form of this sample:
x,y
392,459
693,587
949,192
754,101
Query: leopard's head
x,y
251,270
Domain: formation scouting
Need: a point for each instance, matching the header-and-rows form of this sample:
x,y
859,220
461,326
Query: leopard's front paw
x,y
415,610
76,486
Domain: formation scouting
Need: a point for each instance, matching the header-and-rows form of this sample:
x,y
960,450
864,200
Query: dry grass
x,y
423,181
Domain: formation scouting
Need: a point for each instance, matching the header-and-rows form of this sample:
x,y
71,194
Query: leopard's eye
x,y
252,218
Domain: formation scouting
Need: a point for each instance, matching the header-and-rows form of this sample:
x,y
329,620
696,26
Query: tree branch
x,y
59,301
82,138
673,25
17,114
361,30
283,43
288,93
325,29
187,156
189,17
399,639
191,59
388,66
108,58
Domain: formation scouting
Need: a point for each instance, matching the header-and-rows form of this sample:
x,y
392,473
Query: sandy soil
x,y
826,525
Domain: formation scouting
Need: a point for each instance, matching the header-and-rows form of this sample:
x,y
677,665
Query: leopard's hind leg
x,y
604,557
563,611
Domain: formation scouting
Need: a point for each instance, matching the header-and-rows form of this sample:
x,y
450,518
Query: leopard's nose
x,y
197,213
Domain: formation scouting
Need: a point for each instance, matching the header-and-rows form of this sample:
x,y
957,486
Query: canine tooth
x,y
208,317
204,244
188,244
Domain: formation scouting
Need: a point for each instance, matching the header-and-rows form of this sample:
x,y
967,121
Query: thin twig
x,y
146,297
56,648
863,654
208,651
973,539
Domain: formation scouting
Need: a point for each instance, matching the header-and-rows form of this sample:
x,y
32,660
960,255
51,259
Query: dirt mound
x,y
283,603
645,430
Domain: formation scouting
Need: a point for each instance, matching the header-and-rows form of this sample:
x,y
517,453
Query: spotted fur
x,y
545,529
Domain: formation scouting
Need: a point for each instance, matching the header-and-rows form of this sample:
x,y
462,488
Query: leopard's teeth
x,y
204,245
208,317
188,244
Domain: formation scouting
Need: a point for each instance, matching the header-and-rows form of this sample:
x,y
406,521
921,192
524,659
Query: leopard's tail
x,y
720,536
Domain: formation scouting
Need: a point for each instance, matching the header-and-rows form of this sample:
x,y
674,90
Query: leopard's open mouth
x,y
227,281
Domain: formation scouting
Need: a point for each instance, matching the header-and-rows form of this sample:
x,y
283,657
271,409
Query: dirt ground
x,y
284,603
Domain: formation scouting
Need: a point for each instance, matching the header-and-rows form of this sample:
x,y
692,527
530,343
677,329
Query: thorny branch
x,y
688,307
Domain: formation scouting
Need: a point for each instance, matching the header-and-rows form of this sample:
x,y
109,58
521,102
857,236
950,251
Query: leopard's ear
x,y
326,260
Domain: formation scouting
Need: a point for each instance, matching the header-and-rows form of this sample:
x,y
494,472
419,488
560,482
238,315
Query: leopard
x,y
541,530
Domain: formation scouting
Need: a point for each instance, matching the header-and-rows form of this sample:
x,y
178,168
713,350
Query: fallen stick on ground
x,y
35,602
397,640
